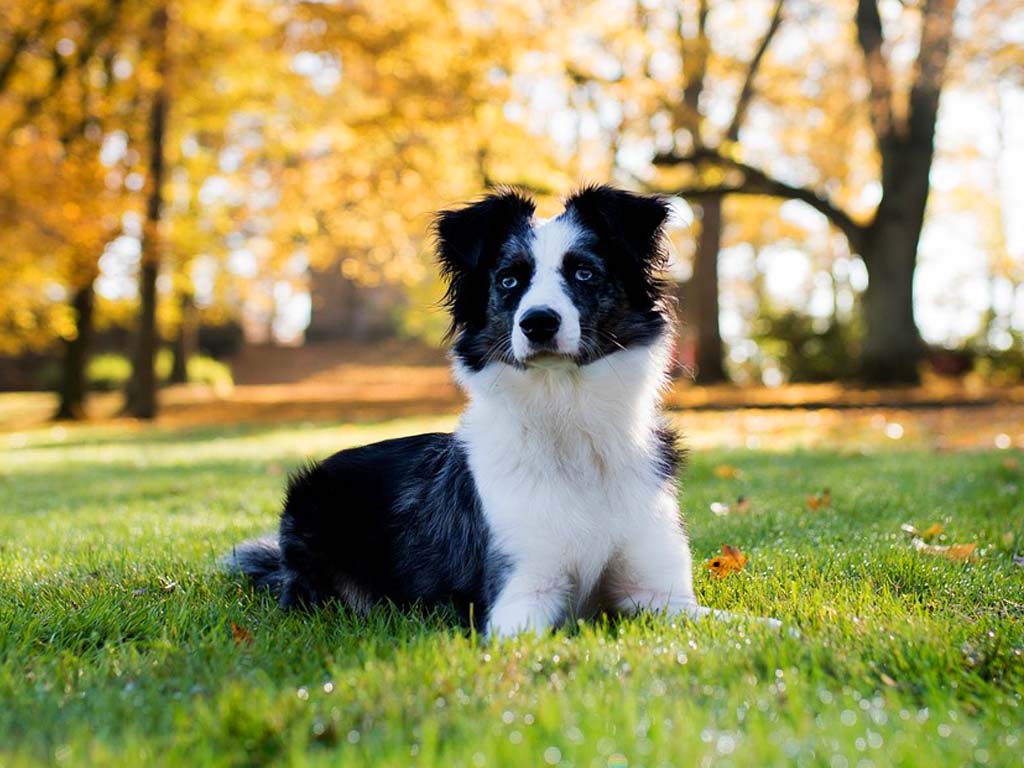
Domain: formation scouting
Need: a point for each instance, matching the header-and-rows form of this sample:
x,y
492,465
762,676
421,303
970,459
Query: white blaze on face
x,y
551,240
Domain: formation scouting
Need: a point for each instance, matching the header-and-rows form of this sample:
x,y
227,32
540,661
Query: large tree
x,y
704,291
58,98
647,75
140,397
904,135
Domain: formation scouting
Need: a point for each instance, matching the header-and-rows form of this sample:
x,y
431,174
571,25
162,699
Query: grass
x,y
117,644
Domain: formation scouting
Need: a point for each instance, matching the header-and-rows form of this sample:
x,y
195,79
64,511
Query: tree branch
x,y
930,68
695,66
758,182
747,91
870,38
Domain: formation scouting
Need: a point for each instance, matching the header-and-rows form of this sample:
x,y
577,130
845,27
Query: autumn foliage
x,y
174,158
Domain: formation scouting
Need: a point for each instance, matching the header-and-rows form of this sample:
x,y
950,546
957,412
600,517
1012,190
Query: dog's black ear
x,y
468,242
634,222
630,228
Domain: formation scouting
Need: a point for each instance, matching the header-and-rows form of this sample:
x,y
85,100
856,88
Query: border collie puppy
x,y
556,495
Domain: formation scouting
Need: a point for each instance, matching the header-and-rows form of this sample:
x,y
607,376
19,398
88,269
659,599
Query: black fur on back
x,y
396,521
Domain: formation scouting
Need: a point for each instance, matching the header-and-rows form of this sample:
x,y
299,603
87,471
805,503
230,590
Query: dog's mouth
x,y
548,360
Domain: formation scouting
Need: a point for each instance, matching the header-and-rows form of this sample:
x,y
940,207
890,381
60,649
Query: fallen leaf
x,y
929,533
240,635
819,501
961,552
958,553
741,507
727,472
730,561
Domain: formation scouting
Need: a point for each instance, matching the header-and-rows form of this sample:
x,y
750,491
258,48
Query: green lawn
x,y
116,641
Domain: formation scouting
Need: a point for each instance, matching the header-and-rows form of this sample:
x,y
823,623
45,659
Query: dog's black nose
x,y
540,324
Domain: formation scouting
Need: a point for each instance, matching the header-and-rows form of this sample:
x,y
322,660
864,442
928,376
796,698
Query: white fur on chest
x,y
566,460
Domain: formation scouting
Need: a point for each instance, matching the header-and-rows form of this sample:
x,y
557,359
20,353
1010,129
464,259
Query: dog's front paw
x,y
507,630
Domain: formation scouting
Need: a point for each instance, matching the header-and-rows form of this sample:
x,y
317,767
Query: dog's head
x,y
564,292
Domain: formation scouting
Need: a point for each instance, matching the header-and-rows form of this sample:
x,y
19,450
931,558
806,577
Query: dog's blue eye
x,y
508,282
583,274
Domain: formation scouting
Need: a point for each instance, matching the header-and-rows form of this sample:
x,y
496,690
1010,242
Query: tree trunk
x,y
76,356
892,346
185,341
141,395
892,343
708,363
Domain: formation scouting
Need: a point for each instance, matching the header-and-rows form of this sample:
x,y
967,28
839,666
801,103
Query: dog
x,y
556,497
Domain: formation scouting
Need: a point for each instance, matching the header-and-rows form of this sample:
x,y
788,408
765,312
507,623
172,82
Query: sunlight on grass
x,y
117,647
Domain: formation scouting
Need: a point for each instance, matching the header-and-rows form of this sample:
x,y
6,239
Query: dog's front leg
x,y
654,572
530,601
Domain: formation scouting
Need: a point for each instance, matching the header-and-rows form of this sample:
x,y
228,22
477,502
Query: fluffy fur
x,y
556,495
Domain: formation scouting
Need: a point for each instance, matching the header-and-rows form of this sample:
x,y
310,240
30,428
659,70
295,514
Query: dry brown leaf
x,y
742,504
727,472
959,553
240,635
962,552
730,561
820,501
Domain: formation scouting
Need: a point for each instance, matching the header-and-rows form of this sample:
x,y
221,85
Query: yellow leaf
x,y
929,533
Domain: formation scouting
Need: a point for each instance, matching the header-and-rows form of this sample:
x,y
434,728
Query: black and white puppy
x,y
556,495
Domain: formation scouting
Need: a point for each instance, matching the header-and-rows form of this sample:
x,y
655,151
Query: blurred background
x,y
221,210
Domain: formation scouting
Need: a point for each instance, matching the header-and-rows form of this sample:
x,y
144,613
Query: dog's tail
x,y
259,560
